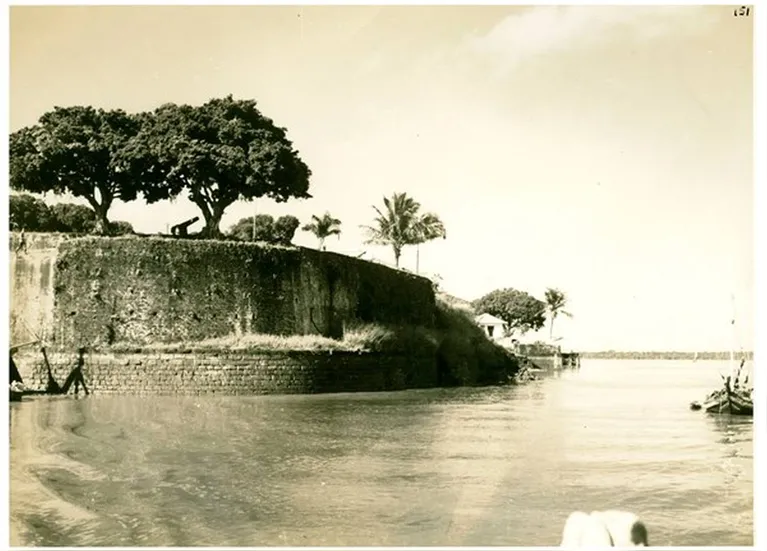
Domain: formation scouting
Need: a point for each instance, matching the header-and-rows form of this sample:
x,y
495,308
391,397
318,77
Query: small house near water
x,y
494,328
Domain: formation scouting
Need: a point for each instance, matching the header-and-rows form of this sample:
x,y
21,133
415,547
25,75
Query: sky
x,y
606,151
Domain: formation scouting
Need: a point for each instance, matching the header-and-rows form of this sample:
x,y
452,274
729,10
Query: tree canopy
x,y
82,151
267,229
253,228
401,224
69,217
323,227
29,213
285,228
220,152
521,311
426,227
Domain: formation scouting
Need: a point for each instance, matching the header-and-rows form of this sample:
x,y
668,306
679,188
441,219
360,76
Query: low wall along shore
x,y
234,372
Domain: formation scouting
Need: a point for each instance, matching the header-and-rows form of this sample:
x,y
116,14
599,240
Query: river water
x,y
489,466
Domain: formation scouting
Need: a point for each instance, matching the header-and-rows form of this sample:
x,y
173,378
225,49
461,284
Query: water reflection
x,y
493,466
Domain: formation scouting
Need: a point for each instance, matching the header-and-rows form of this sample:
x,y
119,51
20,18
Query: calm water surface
x,y
492,466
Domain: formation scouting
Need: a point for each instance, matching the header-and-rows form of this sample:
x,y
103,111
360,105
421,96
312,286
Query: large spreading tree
x,y
521,311
82,151
220,152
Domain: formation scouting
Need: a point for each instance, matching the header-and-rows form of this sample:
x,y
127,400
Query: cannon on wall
x,y
182,229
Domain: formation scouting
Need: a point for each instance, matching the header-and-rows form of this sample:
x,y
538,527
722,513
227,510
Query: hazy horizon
x,y
606,151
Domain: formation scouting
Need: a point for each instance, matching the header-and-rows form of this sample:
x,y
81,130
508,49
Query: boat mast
x,y
732,338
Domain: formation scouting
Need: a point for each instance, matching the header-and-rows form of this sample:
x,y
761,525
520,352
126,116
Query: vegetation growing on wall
x,y
169,295
539,349
464,354
161,290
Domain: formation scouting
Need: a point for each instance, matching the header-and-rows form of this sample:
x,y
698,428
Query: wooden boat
x,y
735,402
735,397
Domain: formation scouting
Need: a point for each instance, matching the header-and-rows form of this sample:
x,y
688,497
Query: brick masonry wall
x,y
234,372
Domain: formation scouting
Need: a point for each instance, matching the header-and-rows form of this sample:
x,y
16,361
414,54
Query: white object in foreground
x,y
604,529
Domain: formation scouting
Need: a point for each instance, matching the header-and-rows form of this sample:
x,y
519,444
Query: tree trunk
x,y
212,215
397,253
551,328
101,210
417,258
322,243
211,230
102,224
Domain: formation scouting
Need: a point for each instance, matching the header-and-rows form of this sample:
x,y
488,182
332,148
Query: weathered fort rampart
x,y
93,291
98,292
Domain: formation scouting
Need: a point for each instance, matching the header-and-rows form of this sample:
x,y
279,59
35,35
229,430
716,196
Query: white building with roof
x,y
494,328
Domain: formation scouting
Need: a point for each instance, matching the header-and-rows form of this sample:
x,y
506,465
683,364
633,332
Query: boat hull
x,y
735,403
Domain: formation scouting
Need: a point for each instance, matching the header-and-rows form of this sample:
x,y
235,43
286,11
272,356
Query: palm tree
x,y
425,228
556,301
323,227
394,227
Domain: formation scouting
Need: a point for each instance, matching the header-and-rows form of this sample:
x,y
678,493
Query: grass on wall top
x,y
370,338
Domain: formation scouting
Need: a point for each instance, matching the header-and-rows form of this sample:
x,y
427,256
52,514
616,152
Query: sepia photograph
x,y
382,275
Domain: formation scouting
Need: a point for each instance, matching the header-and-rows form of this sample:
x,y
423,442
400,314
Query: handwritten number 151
x,y
743,11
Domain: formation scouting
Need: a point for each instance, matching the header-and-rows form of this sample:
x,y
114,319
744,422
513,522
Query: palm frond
x,y
323,226
375,236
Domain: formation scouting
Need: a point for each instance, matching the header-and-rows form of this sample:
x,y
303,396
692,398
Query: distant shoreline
x,y
656,355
